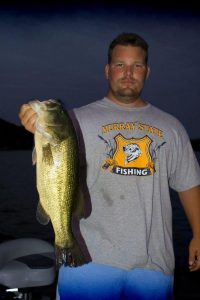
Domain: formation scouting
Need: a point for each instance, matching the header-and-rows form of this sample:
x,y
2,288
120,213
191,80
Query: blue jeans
x,y
100,282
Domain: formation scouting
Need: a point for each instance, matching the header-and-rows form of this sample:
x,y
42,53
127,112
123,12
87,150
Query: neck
x,y
127,102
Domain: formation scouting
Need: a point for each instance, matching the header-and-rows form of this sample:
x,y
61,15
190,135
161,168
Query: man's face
x,y
126,73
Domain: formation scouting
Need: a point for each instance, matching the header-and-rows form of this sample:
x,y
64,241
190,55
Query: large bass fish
x,y
57,166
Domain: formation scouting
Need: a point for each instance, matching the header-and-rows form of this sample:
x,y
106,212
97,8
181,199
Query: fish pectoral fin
x,y
41,215
47,156
34,156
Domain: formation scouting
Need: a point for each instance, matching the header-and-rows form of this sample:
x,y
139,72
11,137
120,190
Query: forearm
x,y
190,200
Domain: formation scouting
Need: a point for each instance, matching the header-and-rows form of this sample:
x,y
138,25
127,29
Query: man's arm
x,y
190,200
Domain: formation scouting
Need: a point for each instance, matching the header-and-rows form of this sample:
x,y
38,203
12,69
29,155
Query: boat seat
x,y
26,263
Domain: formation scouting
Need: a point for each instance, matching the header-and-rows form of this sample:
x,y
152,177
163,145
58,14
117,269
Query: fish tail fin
x,y
71,257
41,215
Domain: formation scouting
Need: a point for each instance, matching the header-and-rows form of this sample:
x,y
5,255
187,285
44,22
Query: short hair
x,y
126,39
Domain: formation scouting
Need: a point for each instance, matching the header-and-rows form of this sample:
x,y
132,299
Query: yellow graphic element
x,y
124,126
151,130
133,153
118,126
108,163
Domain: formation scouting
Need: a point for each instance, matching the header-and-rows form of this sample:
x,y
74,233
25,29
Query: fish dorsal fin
x,y
41,215
47,156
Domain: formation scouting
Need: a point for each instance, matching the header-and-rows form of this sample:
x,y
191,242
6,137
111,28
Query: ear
x,y
148,72
107,67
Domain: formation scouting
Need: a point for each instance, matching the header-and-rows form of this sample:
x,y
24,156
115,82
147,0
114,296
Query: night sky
x,y
56,50
59,51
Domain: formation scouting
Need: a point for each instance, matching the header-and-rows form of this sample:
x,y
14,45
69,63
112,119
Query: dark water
x,y
18,202
19,198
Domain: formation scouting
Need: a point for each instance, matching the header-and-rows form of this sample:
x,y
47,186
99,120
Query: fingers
x,y
194,255
28,117
194,264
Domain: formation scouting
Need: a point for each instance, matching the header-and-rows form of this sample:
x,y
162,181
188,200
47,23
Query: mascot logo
x,y
131,157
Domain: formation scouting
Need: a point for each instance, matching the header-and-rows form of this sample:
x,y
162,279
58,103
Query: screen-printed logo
x,y
131,157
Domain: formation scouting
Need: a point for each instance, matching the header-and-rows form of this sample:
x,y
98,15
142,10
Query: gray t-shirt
x,y
132,156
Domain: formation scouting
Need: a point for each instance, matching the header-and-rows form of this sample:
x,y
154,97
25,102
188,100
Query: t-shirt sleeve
x,y
185,170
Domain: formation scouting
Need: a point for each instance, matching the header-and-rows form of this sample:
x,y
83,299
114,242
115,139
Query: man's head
x,y
128,39
127,69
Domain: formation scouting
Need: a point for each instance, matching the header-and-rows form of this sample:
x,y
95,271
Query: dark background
x,y
58,50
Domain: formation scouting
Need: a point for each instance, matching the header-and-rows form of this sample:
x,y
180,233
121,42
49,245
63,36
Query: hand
x,y
28,117
194,254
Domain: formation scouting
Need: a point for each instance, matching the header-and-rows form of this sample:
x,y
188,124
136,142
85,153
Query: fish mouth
x,y
46,105
50,104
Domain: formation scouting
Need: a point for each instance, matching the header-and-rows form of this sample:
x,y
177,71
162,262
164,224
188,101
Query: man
x,y
133,153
